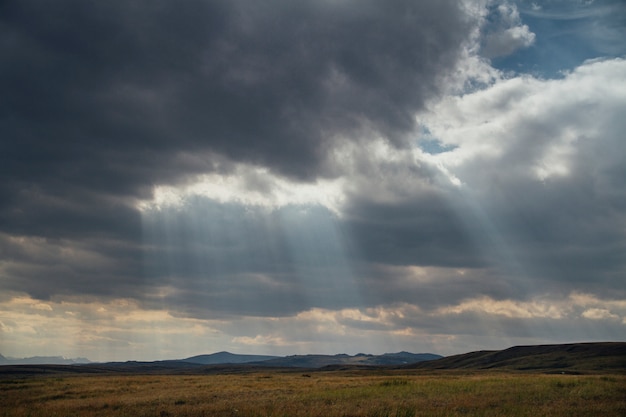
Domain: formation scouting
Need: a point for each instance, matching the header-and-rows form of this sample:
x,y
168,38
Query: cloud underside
x,y
298,175
131,332
542,218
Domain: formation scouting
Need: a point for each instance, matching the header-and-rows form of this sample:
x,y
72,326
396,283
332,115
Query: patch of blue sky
x,y
432,145
568,33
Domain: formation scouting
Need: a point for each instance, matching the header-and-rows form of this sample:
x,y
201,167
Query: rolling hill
x,y
319,361
606,357
565,358
227,357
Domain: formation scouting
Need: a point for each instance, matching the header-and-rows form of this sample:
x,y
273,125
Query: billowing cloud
x,y
119,97
538,160
507,34
106,106
504,212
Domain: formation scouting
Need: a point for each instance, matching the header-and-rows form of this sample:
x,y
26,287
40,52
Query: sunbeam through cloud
x,y
280,177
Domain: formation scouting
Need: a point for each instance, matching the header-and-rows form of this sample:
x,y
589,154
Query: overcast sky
x,y
313,176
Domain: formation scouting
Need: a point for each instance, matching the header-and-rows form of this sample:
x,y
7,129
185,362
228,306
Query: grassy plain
x,y
339,393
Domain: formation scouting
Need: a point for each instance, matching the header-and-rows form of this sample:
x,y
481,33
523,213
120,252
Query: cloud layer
x,y
302,176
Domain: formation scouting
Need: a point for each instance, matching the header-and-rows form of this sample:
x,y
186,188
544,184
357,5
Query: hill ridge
x,y
226,357
568,357
554,358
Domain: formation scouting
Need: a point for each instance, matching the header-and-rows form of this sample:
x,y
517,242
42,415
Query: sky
x,y
314,176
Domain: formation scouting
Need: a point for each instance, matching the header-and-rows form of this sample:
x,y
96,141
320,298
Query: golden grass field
x,y
339,393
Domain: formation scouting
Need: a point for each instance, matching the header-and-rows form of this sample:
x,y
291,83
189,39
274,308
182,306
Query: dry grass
x,y
320,394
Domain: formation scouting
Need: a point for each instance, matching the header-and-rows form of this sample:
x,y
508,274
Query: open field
x,y
338,393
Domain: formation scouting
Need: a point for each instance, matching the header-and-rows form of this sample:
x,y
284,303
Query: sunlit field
x,y
316,394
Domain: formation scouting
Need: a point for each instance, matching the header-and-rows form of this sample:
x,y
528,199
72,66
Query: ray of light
x,y
241,256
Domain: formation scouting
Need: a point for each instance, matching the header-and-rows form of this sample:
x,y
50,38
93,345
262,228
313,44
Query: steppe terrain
x,y
571,382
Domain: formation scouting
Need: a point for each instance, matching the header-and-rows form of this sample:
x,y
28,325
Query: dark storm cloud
x,y
102,101
44,267
108,97
421,231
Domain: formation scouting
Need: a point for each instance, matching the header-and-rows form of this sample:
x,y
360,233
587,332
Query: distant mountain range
x,y
227,358
563,358
319,361
41,360
295,361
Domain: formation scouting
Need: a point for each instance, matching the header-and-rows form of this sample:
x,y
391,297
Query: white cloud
x,y
122,329
250,186
262,340
119,329
528,126
599,314
585,305
507,34
506,308
507,41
